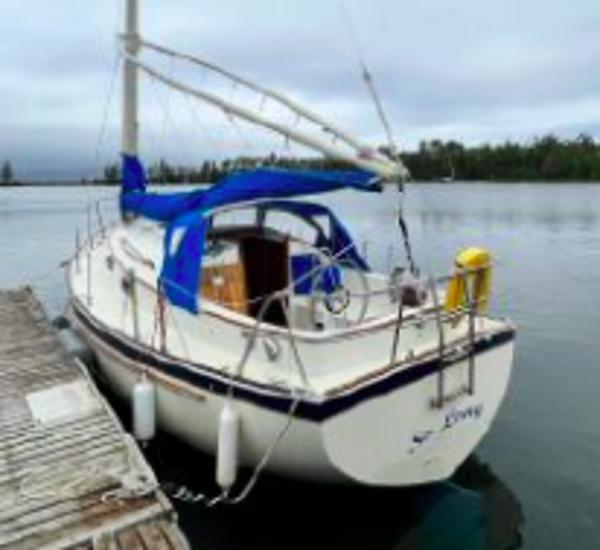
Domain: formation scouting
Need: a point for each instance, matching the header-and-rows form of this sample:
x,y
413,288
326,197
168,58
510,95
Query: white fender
x,y
227,454
144,410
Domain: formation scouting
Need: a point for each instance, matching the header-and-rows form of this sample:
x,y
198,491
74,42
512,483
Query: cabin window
x,y
291,225
233,218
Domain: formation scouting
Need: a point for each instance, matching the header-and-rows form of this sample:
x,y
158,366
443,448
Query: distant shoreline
x,y
545,160
414,182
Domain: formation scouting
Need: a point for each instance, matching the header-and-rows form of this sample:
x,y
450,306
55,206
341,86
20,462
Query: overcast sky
x,y
470,70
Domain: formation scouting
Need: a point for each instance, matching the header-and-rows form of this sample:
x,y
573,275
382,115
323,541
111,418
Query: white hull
x,y
393,437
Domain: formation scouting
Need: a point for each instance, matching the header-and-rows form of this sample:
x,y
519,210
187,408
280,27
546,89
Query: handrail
x,y
436,314
472,312
441,342
412,318
415,317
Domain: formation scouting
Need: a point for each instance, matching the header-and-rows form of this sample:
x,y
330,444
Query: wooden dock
x,y
70,476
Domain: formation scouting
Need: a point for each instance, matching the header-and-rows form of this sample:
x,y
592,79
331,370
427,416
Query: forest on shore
x,y
544,159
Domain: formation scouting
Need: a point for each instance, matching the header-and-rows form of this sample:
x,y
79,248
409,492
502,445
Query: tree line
x,y
544,159
547,158
211,171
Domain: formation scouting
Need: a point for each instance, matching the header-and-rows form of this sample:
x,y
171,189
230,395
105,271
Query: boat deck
x,y
70,476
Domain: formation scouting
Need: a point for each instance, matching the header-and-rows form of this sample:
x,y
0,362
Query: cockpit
x,y
277,259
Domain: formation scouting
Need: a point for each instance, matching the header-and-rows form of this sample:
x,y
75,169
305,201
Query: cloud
x,y
469,70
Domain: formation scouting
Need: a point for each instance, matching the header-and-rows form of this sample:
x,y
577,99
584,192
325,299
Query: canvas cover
x,y
187,214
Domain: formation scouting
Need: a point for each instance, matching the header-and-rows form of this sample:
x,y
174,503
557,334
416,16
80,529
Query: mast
x,y
360,155
131,41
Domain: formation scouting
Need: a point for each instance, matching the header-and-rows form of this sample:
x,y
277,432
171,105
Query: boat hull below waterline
x,y
388,432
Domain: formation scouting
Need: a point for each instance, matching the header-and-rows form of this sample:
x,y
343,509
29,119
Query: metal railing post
x,y
365,250
88,276
470,296
398,328
89,257
77,251
439,402
88,212
100,221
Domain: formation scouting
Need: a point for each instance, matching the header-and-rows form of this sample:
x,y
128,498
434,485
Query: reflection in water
x,y
475,510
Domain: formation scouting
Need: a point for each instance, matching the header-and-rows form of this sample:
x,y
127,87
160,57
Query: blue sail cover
x,y
186,214
134,177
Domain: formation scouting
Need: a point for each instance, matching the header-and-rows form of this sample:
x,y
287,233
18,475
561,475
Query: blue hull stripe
x,y
207,379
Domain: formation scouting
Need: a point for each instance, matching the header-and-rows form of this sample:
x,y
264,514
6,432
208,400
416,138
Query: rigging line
x,y
106,107
167,117
153,137
368,78
414,270
326,126
167,104
104,123
207,135
117,25
118,15
389,171
241,133
285,149
151,141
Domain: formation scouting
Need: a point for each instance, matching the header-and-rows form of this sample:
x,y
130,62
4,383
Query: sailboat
x,y
271,349
450,178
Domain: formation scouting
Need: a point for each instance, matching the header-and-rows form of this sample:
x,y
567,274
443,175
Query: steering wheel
x,y
338,300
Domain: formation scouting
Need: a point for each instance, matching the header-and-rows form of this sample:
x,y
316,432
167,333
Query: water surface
x,y
538,471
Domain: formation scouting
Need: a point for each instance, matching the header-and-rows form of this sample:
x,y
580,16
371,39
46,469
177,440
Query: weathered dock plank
x,y
70,476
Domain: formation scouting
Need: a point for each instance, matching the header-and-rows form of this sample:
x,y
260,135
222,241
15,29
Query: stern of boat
x,y
400,435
